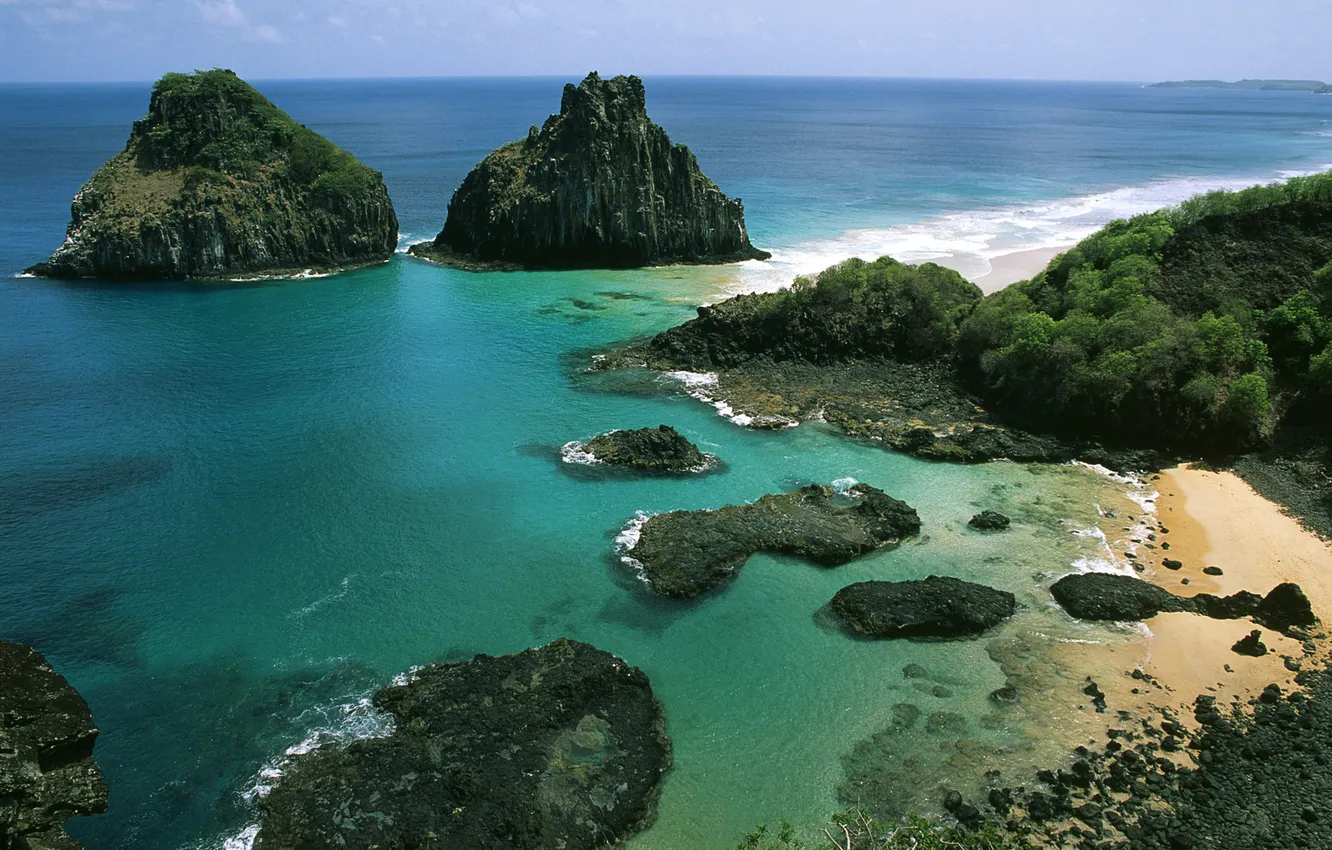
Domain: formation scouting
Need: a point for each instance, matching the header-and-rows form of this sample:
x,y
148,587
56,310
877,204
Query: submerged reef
x,y
597,186
557,747
654,450
47,771
935,607
685,553
217,182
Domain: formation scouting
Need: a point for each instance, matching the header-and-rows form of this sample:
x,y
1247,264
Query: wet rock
x,y
941,692
1097,696
914,671
1106,596
561,746
1251,645
684,553
216,181
597,186
1007,695
989,521
1172,564
660,449
936,607
1213,571
47,771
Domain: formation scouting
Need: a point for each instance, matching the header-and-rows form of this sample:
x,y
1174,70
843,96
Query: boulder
x,y
936,607
685,553
1286,609
597,186
989,521
1251,645
557,747
1107,596
217,182
47,771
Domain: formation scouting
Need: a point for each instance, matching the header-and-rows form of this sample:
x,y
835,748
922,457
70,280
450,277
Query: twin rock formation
x,y
217,182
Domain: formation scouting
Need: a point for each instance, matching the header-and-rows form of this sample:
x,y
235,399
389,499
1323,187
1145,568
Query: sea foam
x,y
970,239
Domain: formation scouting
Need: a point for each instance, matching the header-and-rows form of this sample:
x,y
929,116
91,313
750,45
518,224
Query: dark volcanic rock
x,y
989,521
47,772
598,186
1105,596
684,553
660,449
1251,644
936,607
215,182
1285,609
557,747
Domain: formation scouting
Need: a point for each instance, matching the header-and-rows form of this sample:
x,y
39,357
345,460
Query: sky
x,y
1127,40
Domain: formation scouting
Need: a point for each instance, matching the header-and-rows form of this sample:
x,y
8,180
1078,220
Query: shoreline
x,y
1217,519
1008,269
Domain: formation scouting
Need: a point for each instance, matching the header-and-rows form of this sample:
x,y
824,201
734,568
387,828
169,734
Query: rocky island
x,y
653,450
217,182
597,186
47,772
685,553
557,747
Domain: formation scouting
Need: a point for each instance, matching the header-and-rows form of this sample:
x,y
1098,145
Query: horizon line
x,y
581,75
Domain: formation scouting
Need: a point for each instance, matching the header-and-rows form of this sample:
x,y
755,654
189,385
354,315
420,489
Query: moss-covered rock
x,y
217,182
47,772
685,553
597,186
557,747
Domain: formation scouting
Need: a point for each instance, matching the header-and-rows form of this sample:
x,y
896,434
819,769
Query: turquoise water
x,y
226,511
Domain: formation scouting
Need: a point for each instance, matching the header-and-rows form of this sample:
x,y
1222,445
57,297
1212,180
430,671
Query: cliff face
x,y
47,772
598,186
215,182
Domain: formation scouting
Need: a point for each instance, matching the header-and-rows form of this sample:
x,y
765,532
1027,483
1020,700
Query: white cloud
x,y
338,21
226,15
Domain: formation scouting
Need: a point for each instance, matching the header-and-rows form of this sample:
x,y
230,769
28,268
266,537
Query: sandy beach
x,y
1007,269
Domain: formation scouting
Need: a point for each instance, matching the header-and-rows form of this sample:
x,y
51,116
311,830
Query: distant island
x,y
1316,86
217,182
597,186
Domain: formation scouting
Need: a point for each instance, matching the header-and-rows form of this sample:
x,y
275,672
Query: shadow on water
x,y
90,628
41,488
220,720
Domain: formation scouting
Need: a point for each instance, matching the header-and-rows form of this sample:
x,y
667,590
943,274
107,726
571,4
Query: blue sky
x,y
1031,39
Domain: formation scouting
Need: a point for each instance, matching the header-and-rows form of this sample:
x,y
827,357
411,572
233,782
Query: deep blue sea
x,y
229,512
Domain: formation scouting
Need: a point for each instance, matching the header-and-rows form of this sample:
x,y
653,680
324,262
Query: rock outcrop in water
x,y
684,553
1107,596
47,772
558,747
217,182
936,607
598,186
659,450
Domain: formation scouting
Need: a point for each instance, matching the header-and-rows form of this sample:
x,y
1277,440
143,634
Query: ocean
x,y
229,512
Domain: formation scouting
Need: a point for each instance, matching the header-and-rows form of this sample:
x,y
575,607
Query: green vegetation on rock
x,y
1193,328
216,181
